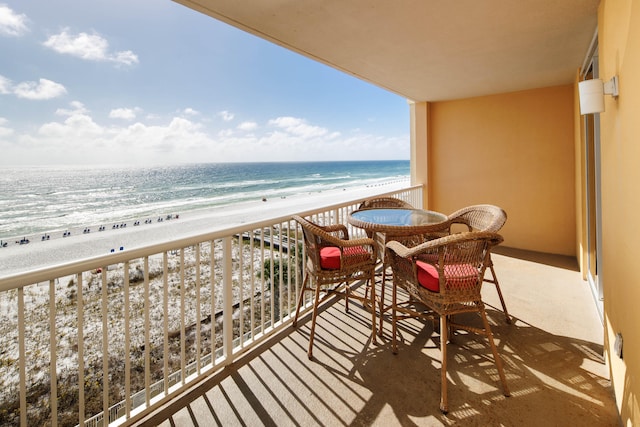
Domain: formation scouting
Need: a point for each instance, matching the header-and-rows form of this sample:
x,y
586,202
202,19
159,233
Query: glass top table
x,y
402,221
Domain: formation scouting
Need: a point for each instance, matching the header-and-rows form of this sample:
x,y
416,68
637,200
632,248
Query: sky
x,y
154,82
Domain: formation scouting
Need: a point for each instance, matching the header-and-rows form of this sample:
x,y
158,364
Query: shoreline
x,y
127,222
17,258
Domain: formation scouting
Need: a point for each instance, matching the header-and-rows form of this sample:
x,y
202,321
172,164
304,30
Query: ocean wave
x,y
42,199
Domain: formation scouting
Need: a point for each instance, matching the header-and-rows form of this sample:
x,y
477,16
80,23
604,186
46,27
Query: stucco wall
x,y
619,48
514,150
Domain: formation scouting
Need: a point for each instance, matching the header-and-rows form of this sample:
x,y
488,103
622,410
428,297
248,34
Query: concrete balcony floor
x,y
552,353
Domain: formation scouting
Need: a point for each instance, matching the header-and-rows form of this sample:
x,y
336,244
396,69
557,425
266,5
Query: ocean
x,y
35,200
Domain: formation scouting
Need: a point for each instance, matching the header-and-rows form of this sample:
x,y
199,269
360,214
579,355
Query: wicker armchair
x,y
332,262
445,275
484,218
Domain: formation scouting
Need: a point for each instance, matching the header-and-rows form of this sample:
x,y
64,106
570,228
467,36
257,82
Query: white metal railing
x,y
123,333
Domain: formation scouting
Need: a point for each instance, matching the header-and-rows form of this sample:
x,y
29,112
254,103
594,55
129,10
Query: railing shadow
x,y
554,379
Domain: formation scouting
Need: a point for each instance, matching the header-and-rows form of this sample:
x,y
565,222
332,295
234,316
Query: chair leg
x,y
303,289
373,307
382,292
347,295
394,319
494,350
313,321
452,331
370,300
366,289
444,403
373,283
494,280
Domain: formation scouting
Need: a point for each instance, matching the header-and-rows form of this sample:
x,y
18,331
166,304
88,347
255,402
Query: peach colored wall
x,y
619,50
514,150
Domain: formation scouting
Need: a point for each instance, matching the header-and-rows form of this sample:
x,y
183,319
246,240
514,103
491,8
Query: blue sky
x,y
153,82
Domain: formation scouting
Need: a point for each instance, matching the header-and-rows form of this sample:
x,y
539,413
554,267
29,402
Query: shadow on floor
x,y
553,379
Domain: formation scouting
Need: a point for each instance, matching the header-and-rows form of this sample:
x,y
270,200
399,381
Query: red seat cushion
x,y
330,256
458,275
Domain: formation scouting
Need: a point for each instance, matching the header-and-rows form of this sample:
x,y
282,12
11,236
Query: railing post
x,y
227,304
147,339
183,326
198,312
127,342
105,347
53,372
81,393
23,359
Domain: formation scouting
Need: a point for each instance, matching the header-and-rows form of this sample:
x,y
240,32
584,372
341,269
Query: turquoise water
x,y
41,199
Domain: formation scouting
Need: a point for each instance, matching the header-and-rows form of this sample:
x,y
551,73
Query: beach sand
x,y
58,250
16,259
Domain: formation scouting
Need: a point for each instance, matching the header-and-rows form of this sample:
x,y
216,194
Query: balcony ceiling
x,y
427,50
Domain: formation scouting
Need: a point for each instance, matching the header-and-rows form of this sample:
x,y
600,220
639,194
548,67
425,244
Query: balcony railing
x,y
113,337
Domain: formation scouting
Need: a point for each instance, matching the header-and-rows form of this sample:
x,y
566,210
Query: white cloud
x,y
179,125
91,47
78,108
191,112
180,139
77,137
74,127
4,130
248,126
125,57
124,113
44,89
11,23
5,85
298,127
226,116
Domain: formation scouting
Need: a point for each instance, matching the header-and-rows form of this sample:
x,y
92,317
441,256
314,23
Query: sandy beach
x,y
15,258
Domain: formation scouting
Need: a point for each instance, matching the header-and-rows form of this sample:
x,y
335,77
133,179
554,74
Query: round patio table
x,y
409,226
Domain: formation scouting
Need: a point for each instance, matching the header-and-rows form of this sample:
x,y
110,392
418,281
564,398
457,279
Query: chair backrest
x,y
489,218
317,237
460,260
385,202
312,241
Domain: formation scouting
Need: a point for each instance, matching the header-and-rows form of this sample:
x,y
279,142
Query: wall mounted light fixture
x,y
592,94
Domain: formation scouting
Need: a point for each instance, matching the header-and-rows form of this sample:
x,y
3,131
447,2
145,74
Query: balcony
x,y
198,332
552,354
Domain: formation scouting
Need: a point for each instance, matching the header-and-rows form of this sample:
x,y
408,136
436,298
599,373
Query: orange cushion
x,y
461,275
330,256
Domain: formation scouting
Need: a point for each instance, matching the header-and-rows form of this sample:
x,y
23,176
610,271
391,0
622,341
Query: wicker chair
x,y
385,202
332,262
484,218
445,275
